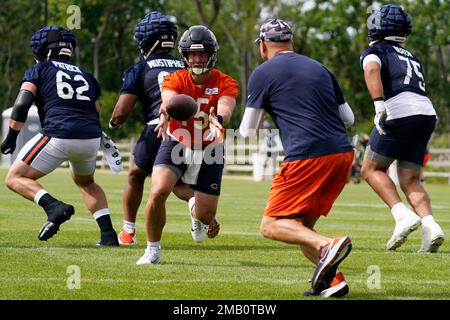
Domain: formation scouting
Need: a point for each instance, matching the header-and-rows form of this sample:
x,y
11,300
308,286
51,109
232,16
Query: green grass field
x,y
238,264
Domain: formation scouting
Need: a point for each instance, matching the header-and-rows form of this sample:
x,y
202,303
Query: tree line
x,y
332,32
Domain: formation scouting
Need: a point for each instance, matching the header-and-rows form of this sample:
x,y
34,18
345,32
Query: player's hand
x,y
379,119
213,229
9,144
214,126
161,128
112,125
380,116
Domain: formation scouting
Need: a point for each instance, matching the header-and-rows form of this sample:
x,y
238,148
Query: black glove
x,y
9,144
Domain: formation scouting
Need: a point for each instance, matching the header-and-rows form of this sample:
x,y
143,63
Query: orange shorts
x,y
426,158
308,186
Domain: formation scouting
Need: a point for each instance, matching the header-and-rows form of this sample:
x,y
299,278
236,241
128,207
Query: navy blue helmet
x,y
199,38
52,41
389,21
155,31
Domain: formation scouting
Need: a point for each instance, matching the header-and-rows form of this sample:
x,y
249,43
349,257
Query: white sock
x,y
400,211
191,204
427,220
39,195
156,244
129,226
100,213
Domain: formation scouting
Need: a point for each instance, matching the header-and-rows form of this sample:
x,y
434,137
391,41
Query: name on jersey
x,y
212,91
402,51
161,63
66,66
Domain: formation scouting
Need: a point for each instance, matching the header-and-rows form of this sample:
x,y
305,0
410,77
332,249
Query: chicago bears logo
x,y
214,186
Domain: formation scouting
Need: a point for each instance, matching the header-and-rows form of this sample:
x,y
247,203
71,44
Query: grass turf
x,y
238,264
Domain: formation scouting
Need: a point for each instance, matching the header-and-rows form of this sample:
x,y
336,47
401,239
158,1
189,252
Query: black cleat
x,y
58,212
108,238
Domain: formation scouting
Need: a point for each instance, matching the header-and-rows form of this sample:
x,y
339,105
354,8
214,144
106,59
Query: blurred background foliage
x,y
332,32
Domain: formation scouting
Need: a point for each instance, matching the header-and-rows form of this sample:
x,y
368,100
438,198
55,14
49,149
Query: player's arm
x,y
252,120
122,109
372,76
19,115
346,114
225,107
161,128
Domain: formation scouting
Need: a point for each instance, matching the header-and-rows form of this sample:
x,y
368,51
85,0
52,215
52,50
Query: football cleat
x,y
58,212
337,289
402,230
432,237
108,238
127,238
198,230
330,258
151,256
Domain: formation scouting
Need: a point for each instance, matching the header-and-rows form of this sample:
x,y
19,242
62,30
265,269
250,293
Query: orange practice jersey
x,y
193,131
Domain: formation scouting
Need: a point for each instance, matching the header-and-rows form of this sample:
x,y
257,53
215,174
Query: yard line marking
x,y
213,280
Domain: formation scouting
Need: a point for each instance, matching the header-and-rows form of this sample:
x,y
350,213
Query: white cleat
x,y
432,237
151,256
198,230
402,230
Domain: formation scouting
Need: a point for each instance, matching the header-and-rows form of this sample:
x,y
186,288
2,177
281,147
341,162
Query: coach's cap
x,y
275,30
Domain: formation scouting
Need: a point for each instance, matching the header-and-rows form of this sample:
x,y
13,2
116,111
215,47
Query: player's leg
x,y
207,191
380,153
141,167
409,177
82,162
164,179
432,234
374,170
132,198
37,158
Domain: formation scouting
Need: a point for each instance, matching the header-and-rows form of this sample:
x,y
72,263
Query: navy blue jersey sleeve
x,y
337,89
130,82
257,90
96,87
33,75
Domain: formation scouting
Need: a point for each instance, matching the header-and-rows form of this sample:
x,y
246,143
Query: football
x,y
182,107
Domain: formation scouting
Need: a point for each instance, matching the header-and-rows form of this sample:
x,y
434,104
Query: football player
x,y
68,107
155,36
404,121
307,105
192,150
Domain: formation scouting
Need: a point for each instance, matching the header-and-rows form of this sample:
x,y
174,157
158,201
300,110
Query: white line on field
x,y
215,280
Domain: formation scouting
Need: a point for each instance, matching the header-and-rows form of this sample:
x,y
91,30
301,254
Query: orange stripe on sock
x,y
36,149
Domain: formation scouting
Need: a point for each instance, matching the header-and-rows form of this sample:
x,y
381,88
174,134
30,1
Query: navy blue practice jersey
x,y
65,99
303,99
401,71
144,80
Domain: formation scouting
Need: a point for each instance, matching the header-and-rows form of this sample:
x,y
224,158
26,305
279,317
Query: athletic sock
x,y
427,220
103,219
191,204
156,244
400,211
129,227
